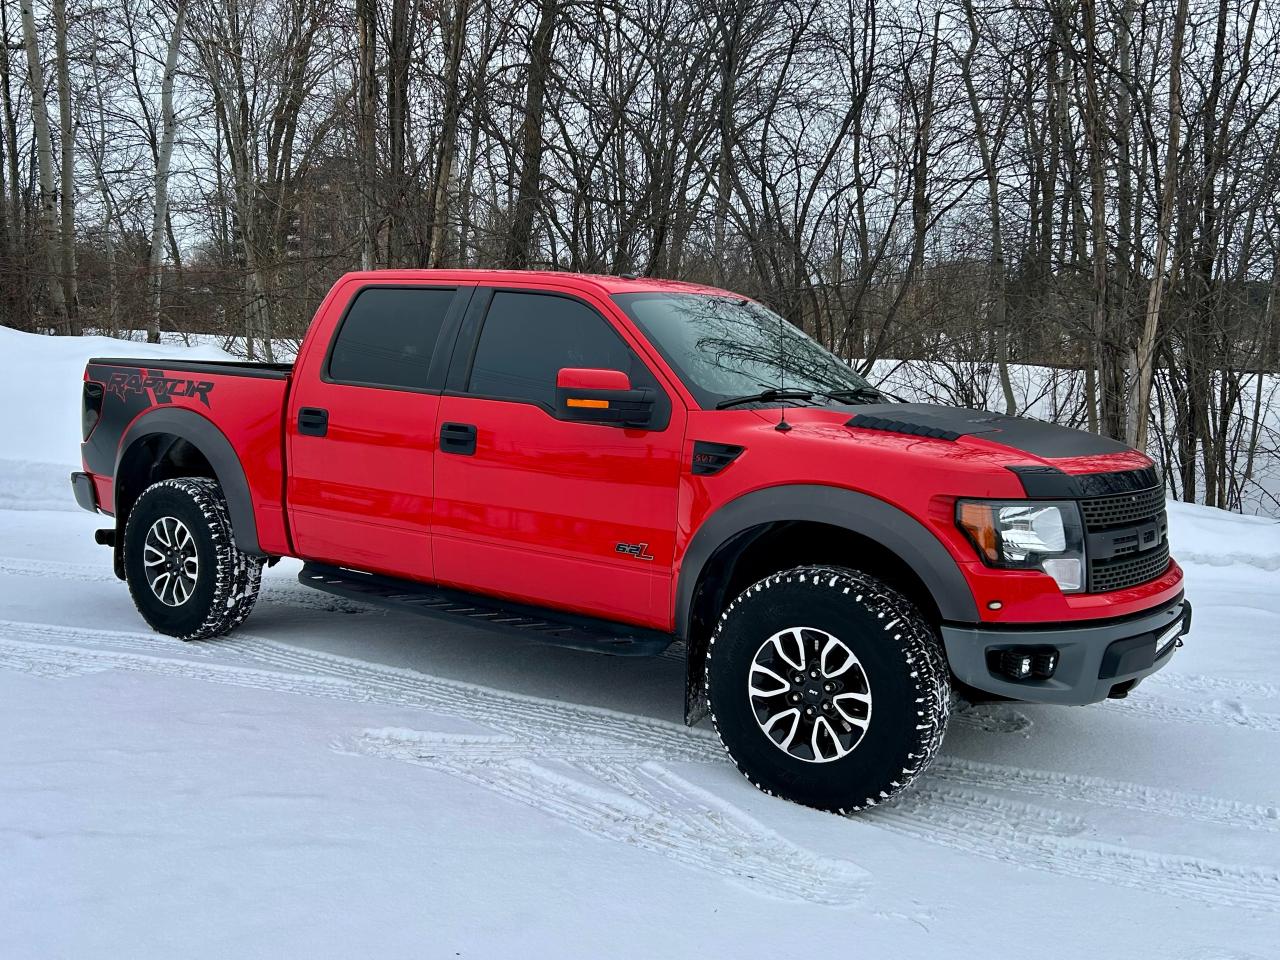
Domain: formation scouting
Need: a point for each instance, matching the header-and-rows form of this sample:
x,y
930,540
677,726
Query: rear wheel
x,y
827,687
187,577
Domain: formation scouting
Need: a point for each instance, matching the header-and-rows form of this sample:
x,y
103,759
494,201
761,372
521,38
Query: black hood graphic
x,y
1034,437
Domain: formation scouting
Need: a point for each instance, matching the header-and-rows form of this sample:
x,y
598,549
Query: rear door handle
x,y
458,438
313,421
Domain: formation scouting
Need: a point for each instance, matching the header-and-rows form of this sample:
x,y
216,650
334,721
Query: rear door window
x,y
389,335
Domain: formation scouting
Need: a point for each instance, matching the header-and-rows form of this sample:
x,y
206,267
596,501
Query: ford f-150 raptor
x,y
614,464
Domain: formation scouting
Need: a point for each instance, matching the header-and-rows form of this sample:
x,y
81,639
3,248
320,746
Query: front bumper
x,y
86,495
1093,660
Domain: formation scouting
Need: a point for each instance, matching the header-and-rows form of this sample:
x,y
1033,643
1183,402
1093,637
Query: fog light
x,y
1043,664
1024,663
1015,666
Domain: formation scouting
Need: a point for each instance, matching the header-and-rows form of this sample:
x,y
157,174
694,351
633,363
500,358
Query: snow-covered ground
x,y
338,781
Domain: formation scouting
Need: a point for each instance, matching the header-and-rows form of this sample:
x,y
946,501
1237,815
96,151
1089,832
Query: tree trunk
x,y
160,211
367,27
68,185
44,158
14,198
998,282
1140,395
519,247
448,132
1108,353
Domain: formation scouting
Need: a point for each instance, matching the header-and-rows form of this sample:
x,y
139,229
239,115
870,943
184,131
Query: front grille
x,y
1106,513
1115,525
1128,571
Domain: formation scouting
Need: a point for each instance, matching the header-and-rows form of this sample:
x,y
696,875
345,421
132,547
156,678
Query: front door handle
x,y
313,421
458,438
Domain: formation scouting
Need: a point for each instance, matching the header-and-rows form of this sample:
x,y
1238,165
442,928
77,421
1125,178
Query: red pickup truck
x,y
617,463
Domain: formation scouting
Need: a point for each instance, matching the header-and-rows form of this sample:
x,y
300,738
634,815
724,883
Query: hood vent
x,y
889,425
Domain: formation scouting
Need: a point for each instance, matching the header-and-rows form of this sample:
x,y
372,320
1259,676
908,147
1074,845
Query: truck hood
x,y
1046,441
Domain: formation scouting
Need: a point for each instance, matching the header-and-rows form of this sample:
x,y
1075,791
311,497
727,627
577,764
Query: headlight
x,y
1027,535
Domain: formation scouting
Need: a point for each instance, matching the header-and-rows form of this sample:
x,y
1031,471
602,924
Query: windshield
x,y
725,347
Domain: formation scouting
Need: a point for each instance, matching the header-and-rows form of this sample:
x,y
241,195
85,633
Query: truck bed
x,y
239,404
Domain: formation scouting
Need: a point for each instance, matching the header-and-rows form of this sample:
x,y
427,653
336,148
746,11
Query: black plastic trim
x,y
556,627
82,487
216,448
890,425
894,529
1050,482
710,458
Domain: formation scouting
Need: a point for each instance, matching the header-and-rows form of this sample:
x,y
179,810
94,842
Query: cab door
x,y
579,516
362,429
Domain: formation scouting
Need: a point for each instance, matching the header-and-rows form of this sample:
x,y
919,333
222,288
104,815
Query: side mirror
x,y
584,395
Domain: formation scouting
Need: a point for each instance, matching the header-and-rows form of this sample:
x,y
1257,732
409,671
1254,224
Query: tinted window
x,y
725,346
388,337
528,337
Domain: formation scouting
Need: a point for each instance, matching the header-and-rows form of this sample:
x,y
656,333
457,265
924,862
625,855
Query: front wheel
x,y
187,577
827,687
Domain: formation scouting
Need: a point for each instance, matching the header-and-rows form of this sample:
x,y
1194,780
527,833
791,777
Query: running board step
x,y
554,627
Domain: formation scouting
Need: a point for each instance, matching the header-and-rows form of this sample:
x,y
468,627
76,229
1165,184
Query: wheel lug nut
x,y
828,687
826,706
813,674
808,711
795,698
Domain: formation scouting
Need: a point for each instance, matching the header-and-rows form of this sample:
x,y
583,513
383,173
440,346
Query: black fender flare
x,y
213,444
860,513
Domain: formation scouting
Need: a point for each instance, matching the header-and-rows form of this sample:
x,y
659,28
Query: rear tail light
x,y
92,409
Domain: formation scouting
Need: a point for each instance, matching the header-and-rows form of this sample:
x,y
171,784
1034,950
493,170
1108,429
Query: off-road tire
x,y
904,667
227,582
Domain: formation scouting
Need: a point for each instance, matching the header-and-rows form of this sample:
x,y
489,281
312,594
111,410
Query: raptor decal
x,y
154,385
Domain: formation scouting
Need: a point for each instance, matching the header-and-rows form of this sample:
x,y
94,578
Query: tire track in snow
x,y
1059,849
725,842
1216,713
634,801
593,739
1195,683
96,638
1105,792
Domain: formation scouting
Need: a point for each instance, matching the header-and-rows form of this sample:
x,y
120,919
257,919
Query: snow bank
x,y
40,400
1204,535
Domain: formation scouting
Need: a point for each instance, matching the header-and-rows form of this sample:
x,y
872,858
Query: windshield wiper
x,y
766,396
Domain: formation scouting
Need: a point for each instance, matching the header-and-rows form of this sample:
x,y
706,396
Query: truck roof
x,y
603,283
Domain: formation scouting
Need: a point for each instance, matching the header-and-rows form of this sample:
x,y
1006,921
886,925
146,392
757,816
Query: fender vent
x,y
709,458
888,425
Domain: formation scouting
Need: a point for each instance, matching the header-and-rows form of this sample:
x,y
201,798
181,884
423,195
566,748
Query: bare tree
x,y
44,156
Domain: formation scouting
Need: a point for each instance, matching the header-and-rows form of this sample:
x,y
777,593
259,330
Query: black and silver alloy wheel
x,y
810,694
170,558
791,672
187,576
